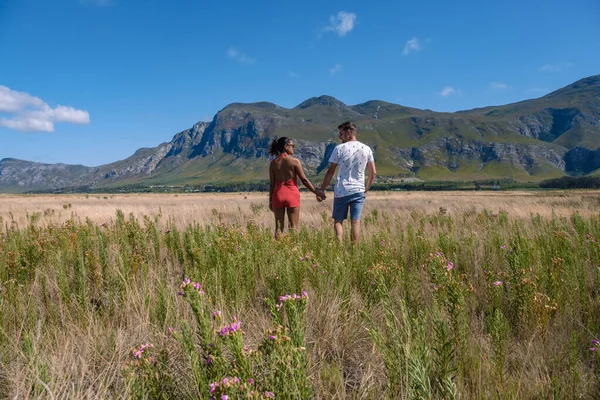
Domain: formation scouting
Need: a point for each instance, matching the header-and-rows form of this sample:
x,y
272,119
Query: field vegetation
x,y
449,295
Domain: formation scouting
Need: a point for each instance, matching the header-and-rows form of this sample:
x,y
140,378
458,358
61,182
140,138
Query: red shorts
x,y
286,194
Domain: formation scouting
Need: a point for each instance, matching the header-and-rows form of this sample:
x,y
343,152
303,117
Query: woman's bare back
x,y
284,168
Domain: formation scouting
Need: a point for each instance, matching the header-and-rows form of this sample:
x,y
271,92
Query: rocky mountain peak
x,y
258,105
533,139
586,87
321,101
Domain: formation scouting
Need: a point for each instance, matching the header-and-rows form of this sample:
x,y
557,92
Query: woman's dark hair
x,y
278,145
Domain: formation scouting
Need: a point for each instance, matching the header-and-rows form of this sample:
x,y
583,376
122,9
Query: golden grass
x,y
85,355
241,208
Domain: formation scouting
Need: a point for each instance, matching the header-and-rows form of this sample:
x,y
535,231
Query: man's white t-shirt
x,y
351,159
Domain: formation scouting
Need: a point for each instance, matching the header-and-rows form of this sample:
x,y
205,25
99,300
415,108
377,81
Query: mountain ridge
x,y
554,135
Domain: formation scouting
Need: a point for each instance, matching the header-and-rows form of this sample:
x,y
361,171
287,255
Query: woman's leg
x,y
279,220
294,217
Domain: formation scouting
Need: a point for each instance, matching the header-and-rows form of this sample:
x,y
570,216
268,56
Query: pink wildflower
x,y
224,331
230,329
497,283
286,297
450,266
139,352
170,331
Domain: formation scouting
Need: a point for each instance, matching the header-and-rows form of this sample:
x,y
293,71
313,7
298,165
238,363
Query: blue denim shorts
x,y
354,202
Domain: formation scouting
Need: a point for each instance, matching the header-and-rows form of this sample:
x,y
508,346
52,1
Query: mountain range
x,y
548,137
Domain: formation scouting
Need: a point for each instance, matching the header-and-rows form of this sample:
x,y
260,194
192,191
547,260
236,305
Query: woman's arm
x,y
300,173
271,185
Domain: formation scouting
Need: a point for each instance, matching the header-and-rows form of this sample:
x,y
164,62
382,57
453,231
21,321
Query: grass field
x,y
449,295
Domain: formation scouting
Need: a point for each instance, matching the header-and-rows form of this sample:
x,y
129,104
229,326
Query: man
x,y
352,157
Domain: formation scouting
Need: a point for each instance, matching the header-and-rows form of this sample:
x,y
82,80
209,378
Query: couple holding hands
x,y
350,158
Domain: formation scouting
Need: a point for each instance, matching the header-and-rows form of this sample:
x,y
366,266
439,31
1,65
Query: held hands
x,y
320,195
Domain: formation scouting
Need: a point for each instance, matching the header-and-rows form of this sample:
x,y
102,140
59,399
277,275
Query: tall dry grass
x,y
85,280
240,208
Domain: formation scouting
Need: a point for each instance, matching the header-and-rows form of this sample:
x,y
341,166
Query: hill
x,y
552,136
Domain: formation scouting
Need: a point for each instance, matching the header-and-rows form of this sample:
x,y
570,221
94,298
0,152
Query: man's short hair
x,y
348,126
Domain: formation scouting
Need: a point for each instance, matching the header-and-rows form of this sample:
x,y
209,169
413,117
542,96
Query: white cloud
x,y
71,115
31,113
234,54
550,68
556,67
498,86
342,23
447,91
413,44
27,124
12,101
337,68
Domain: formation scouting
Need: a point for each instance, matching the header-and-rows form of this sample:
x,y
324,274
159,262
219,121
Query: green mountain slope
x,y
555,135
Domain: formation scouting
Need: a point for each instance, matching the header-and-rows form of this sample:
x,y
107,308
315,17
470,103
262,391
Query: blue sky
x,y
91,81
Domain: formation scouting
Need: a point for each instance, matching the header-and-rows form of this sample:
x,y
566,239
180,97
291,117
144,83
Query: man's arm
x,y
372,174
328,176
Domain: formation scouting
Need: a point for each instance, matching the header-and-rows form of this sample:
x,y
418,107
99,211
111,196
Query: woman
x,y
283,190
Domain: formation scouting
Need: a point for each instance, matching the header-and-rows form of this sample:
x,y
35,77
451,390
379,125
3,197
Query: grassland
x,y
450,294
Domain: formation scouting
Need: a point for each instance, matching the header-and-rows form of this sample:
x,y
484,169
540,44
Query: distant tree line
x,y
569,182
565,182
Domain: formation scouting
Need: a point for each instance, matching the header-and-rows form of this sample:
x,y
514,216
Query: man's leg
x,y
339,230
355,232
356,207
340,213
